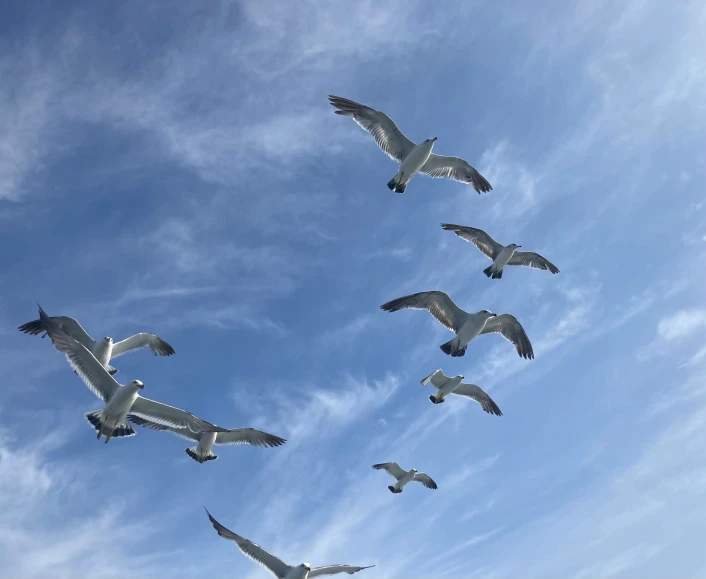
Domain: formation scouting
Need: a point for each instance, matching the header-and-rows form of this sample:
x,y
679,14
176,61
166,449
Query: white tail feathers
x,y
193,452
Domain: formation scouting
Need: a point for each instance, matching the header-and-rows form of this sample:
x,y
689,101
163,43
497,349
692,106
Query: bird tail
x,y
95,419
393,490
435,400
492,272
396,184
453,349
192,452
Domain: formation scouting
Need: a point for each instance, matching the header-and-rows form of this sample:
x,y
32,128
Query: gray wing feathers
x,y
437,379
249,436
183,432
385,132
425,479
533,260
68,325
475,393
477,237
82,361
392,468
456,169
171,416
437,303
333,569
510,329
253,551
142,340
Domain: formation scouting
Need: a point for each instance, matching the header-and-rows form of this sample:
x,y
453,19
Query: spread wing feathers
x,y
183,432
475,393
456,169
383,129
512,331
249,436
439,305
437,379
477,237
392,468
533,260
333,569
68,325
273,564
425,479
171,416
154,343
82,361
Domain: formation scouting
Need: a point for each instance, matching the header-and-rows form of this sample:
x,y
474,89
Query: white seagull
x,y
104,350
208,438
446,385
119,399
274,564
500,254
403,476
413,158
466,326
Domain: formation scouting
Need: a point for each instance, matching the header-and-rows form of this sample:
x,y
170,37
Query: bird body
x,y
404,477
410,165
454,385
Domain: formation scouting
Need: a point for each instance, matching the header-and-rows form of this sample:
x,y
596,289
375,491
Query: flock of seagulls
x,y
123,405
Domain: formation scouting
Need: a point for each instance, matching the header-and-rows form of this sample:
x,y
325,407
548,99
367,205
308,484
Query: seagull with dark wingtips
x,y
403,476
501,255
447,385
466,326
413,158
275,565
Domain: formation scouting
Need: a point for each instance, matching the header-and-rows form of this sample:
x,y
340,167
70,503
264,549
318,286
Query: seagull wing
x,y
425,479
439,305
248,436
183,432
166,415
383,129
334,569
82,361
533,260
68,325
154,343
512,331
392,468
477,237
437,379
456,169
475,393
273,564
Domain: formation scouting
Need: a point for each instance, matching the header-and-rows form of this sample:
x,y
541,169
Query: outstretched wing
x,y
82,361
512,331
439,305
142,340
392,468
437,379
183,432
68,325
477,237
533,260
456,169
159,413
248,436
475,393
334,569
273,564
385,132
425,479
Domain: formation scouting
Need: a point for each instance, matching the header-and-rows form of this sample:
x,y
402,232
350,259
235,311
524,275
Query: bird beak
x,y
142,386
435,138
495,315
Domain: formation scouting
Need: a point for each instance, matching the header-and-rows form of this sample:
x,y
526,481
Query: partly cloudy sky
x,y
175,167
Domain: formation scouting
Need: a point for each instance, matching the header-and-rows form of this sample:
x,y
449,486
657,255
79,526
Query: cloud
x,y
681,324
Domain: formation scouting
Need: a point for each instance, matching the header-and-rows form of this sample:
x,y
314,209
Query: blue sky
x,y
176,168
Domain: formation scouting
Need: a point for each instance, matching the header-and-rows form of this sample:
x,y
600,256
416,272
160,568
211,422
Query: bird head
x,y
514,245
137,384
107,339
488,313
459,377
306,566
414,470
432,140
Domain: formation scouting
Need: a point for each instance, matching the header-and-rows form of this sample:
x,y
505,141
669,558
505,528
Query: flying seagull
x,y
500,254
404,476
274,564
119,399
466,326
413,158
208,438
446,385
104,350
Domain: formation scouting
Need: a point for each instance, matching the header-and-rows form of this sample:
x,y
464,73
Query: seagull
x,y
207,438
403,476
500,254
119,399
104,350
455,385
274,564
413,158
466,326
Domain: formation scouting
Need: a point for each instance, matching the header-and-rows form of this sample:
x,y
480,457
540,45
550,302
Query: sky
x,y
176,168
